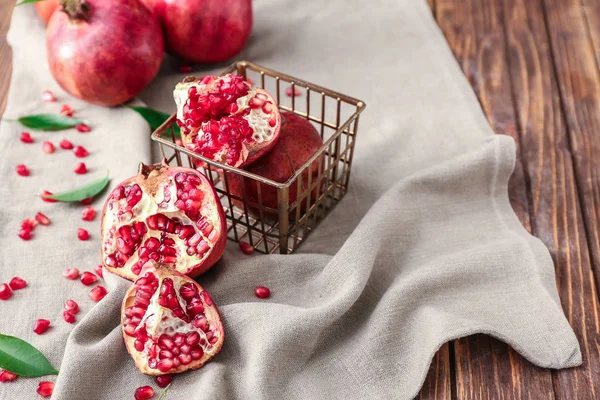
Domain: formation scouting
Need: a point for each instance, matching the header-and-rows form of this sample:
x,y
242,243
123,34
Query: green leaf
x,y
49,122
164,393
21,358
83,192
27,1
155,118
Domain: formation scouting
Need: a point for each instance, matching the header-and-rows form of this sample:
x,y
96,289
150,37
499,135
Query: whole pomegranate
x,y
298,141
104,51
166,214
205,31
224,119
170,323
45,9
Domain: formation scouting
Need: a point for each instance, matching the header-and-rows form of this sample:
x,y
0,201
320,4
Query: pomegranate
x,y
45,9
298,141
170,323
205,31
166,214
104,51
223,119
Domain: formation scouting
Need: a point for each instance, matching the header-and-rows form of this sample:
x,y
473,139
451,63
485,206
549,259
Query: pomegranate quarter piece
x,y
225,120
166,214
170,323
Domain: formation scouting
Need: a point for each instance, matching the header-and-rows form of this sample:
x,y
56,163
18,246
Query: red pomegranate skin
x,y
108,58
45,9
205,31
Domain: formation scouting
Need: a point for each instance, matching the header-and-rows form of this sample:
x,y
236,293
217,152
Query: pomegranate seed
x,y
48,147
25,234
144,393
42,219
45,388
71,273
68,317
26,137
87,202
48,96
28,224
82,128
65,144
98,293
17,283
262,292
80,152
82,234
66,110
163,380
246,248
47,193
6,376
41,325
98,271
22,170
5,292
80,169
71,306
289,92
185,68
88,214
87,278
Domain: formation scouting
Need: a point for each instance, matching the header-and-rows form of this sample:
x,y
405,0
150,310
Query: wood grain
x,y
438,384
6,7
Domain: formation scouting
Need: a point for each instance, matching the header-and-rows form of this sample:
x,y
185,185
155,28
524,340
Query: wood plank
x,y
438,384
6,7
431,5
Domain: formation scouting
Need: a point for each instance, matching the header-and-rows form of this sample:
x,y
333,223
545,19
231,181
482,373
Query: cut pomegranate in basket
x,y
170,323
224,119
166,214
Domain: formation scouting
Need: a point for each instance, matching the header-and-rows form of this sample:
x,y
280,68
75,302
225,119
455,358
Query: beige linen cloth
x,y
423,249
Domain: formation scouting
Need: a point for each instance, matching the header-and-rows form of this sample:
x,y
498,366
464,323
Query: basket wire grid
x,y
336,118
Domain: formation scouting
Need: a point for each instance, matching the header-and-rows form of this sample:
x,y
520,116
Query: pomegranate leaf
x,y
164,393
49,122
27,1
81,193
155,118
21,358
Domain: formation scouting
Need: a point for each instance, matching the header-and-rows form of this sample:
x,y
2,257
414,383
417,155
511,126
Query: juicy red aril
x,y
6,376
28,224
162,381
71,273
88,214
98,293
87,278
144,393
98,271
47,193
71,306
246,248
82,234
80,152
80,169
17,283
66,110
25,234
45,388
48,96
41,325
48,147
68,317
42,219
65,144
292,92
26,137
5,292
262,292
185,69
22,170
82,128
86,202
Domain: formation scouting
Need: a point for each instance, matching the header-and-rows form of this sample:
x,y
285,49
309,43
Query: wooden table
x,y
534,65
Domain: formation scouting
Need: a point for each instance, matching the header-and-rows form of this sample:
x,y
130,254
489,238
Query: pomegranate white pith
x,y
170,323
224,119
166,214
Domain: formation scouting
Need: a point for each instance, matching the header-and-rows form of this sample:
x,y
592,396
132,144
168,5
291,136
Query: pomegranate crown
x,y
76,9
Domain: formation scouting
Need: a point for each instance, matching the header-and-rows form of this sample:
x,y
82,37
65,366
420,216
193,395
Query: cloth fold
x,y
423,249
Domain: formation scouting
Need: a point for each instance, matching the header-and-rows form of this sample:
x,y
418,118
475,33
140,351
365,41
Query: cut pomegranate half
x,y
166,214
170,323
224,119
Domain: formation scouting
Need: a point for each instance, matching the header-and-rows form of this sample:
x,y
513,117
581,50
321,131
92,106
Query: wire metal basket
x,y
336,118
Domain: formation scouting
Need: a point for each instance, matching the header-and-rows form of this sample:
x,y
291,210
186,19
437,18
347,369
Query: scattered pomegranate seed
x,y
5,292
82,128
41,325
42,219
17,283
87,278
71,273
48,147
26,137
47,193
6,376
98,271
48,96
87,202
22,170
45,388
80,169
25,234
82,234
68,317
163,380
98,293
185,68
262,292
88,214
28,224
80,152
246,248
66,110
65,144
71,306
144,393
289,93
